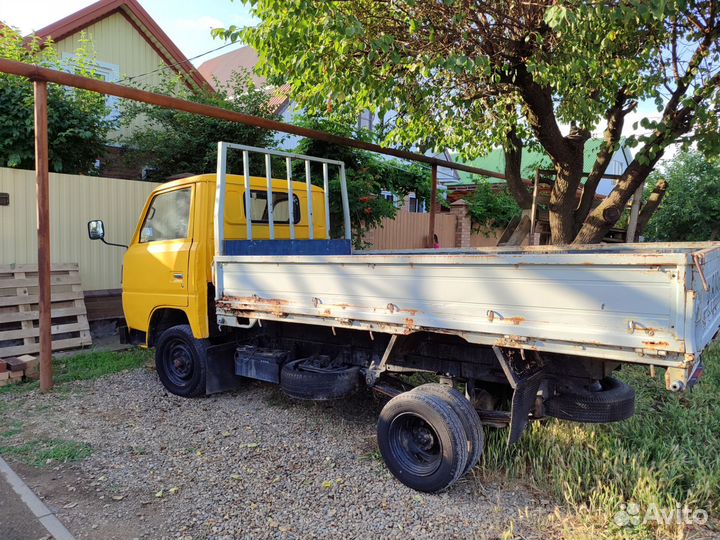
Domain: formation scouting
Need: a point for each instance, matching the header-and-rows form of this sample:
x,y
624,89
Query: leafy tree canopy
x,y
77,119
691,207
473,75
176,142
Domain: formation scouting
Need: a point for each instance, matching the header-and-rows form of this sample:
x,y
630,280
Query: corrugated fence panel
x,y
485,238
409,231
74,200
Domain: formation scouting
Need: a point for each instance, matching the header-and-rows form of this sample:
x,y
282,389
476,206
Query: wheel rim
x,y
415,444
178,362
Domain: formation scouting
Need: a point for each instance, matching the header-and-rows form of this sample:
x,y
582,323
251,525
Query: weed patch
x,y
667,455
44,452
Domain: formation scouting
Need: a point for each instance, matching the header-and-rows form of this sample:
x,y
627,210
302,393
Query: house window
x,y
366,120
415,204
105,72
389,197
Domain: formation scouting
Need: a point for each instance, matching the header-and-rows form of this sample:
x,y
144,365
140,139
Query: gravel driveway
x,y
247,464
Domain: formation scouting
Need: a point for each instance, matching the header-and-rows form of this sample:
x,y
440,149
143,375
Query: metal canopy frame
x,y
221,189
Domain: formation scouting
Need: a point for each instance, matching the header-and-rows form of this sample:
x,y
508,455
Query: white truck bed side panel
x,y
632,302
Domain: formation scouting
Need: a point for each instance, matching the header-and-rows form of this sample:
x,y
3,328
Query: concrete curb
x,y
36,506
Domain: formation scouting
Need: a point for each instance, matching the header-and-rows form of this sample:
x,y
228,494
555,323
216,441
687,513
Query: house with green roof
x,y
537,159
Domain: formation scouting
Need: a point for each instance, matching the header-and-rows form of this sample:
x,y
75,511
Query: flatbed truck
x,y
234,276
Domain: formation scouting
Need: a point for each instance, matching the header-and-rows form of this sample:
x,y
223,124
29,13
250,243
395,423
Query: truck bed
x,y
647,303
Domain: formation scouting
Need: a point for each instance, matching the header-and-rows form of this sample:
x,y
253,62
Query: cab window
x,y
168,217
281,207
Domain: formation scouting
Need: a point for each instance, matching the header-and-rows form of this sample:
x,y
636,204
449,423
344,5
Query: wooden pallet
x,y
19,311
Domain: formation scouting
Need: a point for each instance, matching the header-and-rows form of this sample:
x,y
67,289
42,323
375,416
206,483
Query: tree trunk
x,y
651,206
563,200
609,211
513,166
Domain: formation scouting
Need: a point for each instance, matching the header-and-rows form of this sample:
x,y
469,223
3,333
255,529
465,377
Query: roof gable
x,y
141,21
223,67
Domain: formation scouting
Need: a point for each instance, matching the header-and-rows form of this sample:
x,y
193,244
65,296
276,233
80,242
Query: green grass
x,y
11,429
86,366
45,452
667,454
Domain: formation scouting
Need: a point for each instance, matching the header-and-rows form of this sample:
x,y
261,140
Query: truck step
x,y
259,363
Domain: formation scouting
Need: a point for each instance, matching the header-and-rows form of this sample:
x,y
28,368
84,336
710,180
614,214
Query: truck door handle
x,y
177,275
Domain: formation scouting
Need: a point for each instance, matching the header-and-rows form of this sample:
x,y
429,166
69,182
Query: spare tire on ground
x,y
317,378
613,401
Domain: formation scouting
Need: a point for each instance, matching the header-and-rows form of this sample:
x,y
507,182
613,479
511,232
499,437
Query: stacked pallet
x,y
19,311
14,370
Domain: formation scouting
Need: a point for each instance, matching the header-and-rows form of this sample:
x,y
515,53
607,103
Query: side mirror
x,y
96,229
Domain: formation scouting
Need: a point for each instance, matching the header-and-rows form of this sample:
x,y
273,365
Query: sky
x,y
187,22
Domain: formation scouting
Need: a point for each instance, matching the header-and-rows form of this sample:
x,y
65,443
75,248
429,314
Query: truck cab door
x,y
157,263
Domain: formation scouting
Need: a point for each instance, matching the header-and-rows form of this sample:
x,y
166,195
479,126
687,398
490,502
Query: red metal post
x,y
43,233
433,204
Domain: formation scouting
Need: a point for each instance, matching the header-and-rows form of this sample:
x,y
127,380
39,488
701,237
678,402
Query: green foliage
x,y
367,175
471,75
691,207
84,366
77,119
177,142
490,208
445,70
667,454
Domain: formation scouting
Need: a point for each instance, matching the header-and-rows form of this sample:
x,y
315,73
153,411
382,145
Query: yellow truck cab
x,y
167,271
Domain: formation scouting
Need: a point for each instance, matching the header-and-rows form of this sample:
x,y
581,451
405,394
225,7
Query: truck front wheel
x,y
181,361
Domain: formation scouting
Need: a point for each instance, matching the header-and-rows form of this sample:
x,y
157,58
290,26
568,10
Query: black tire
x,y
613,403
181,361
422,441
467,414
299,383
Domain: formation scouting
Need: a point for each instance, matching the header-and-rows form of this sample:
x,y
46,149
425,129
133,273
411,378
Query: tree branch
x,y
513,165
613,131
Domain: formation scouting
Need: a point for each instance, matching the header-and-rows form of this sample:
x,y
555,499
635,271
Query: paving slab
x,y
23,516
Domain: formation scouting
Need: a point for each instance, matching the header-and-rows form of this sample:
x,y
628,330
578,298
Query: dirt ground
x,y
248,464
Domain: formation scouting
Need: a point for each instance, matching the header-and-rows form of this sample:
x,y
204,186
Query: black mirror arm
x,y
112,244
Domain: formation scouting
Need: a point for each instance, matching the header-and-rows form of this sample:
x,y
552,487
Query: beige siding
x,y
74,200
115,41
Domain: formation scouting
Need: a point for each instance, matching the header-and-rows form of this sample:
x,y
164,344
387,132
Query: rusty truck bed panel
x,y
649,303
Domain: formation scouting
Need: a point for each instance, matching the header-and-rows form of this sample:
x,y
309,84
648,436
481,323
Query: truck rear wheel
x,y
422,441
467,414
180,361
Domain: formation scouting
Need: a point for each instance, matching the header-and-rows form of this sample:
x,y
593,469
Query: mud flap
x,y
525,381
220,369
523,401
